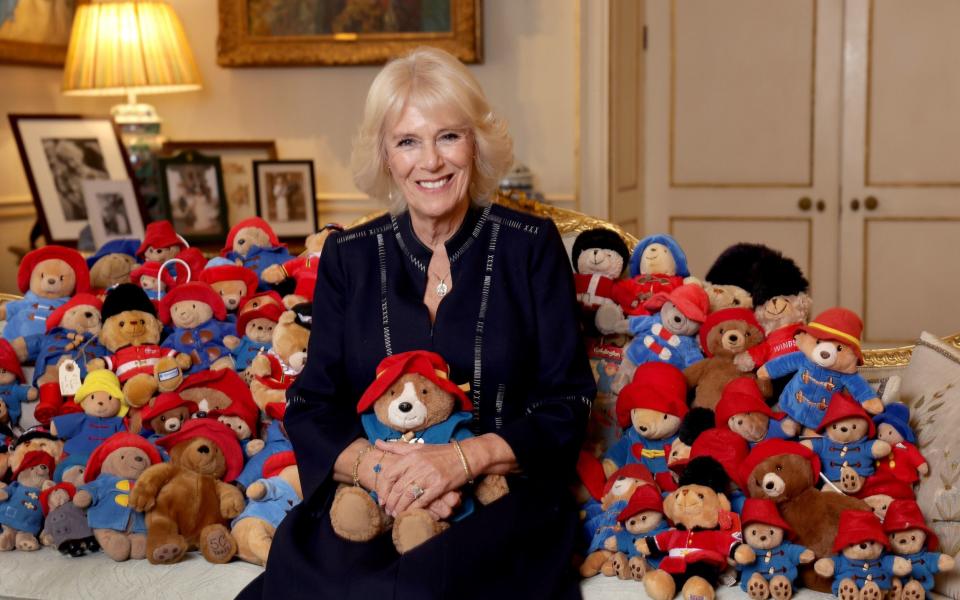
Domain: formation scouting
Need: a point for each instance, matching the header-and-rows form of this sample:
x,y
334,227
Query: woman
x,y
490,290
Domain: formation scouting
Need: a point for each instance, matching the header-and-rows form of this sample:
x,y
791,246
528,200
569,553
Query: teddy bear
x,y
213,390
252,243
188,502
847,449
47,277
160,243
787,473
259,300
742,410
412,400
704,538
243,418
696,421
727,296
36,438
148,277
880,490
775,569
826,362
112,263
270,499
131,333
302,269
255,330
728,449
601,517
275,441
273,372
861,568
723,335
103,406
21,516
166,414
911,539
657,265
112,470
13,387
649,409
904,463
642,517
65,524
668,336
232,282
599,261
197,315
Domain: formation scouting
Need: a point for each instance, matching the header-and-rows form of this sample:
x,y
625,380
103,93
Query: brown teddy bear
x,y
723,335
303,269
271,498
131,332
232,282
37,438
774,571
252,243
188,502
111,473
213,390
912,540
271,373
880,491
727,296
166,414
786,472
643,517
705,538
743,411
112,263
161,242
412,400
21,516
197,315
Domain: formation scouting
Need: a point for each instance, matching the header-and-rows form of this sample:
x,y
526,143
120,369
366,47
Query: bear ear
x,y
287,317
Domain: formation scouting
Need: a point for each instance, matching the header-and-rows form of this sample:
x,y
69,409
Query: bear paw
x,y
757,587
913,591
870,591
166,554
355,516
26,542
850,480
780,588
216,544
848,590
620,567
413,528
698,588
895,591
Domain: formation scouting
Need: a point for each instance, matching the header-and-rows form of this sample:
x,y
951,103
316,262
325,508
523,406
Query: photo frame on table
x,y
236,163
191,192
335,32
286,196
35,33
58,153
112,210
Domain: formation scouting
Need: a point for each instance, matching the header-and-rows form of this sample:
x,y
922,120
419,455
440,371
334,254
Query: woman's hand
x,y
434,468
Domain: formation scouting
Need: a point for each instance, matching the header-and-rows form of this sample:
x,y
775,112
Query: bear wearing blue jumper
x,y
774,571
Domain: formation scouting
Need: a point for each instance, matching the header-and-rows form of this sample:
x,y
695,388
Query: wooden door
x,y
901,167
742,132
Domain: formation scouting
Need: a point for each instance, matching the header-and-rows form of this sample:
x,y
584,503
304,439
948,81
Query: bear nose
x,y
138,458
734,337
51,280
203,449
824,354
643,428
863,546
405,407
768,485
843,429
902,541
88,315
676,319
763,538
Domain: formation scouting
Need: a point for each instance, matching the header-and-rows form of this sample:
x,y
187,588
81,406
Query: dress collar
x,y
419,254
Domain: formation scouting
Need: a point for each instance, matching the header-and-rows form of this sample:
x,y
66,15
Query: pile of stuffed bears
x,y
157,396
733,439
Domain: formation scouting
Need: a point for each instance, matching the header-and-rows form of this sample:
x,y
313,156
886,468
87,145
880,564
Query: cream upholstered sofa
x,y
929,382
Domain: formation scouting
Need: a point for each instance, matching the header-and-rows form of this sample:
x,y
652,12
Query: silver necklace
x,y
442,287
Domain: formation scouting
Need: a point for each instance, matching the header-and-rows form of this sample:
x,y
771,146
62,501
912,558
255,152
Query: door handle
x,y
821,205
805,203
854,205
871,203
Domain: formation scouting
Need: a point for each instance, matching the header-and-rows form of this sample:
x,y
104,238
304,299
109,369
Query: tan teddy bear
x,y
271,498
273,372
21,516
253,244
303,269
112,263
232,282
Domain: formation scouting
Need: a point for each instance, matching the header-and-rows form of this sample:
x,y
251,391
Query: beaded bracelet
x,y
356,466
463,461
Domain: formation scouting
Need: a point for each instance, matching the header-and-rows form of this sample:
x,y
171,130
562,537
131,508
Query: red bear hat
x,y
265,298
9,360
115,442
216,432
762,510
222,380
657,386
775,447
152,269
644,498
689,298
429,364
276,410
32,459
194,290
78,300
858,526
742,395
213,275
278,462
67,255
906,514
843,406
633,471
724,446
160,234
250,222
886,485
243,406
840,325
726,314
165,402
45,495
267,311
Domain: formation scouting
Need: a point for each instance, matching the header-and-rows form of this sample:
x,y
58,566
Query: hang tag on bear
x,y
69,374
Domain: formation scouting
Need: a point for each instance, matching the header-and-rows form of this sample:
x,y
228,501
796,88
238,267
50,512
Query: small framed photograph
x,y
192,194
59,152
112,210
236,162
286,196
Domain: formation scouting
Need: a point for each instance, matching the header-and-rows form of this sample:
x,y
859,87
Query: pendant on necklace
x,y
442,289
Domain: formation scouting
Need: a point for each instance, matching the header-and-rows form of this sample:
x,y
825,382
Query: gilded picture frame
x,y
256,33
33,33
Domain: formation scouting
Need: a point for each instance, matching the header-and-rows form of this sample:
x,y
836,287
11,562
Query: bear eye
x,y
721,330
839,348
61,278
853,426
643,518
424,391
771,532
736,302
913,538
700,496
121,323
779,468
740,422
142,322
748,333
664,417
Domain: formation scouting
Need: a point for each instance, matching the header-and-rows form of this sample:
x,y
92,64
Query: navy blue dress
x,y
509,327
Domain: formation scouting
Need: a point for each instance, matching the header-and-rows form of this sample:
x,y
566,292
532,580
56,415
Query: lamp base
x,y
138,113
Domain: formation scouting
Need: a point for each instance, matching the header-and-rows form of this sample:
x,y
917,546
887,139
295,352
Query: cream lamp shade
x,y
128,47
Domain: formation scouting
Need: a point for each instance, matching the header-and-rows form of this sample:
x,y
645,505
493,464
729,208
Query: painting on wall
x,y
344,32
35,32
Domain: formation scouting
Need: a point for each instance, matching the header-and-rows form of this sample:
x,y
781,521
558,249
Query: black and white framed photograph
x,y
59,153
113,210
286,196
193,198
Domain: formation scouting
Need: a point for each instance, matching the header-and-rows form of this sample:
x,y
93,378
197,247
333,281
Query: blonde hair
x,y
428,78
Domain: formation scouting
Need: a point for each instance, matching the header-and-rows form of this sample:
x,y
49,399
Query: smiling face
x,y
52,278
160,255
908,541
260,330
695,506
100,404
657,258
600,261
413,403
82,319
847,430
190,313
431,160
762,536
